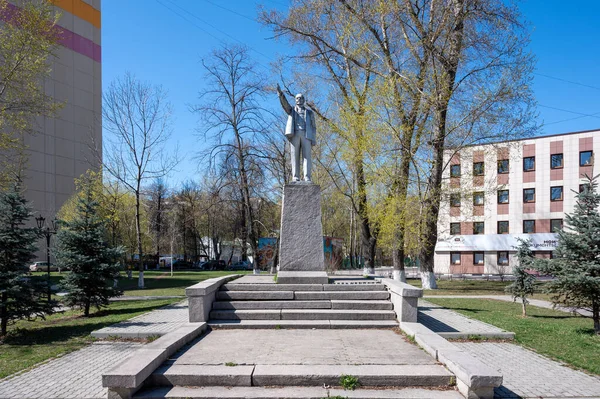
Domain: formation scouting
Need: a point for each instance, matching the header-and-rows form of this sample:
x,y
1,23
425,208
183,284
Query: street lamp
x,y
47,232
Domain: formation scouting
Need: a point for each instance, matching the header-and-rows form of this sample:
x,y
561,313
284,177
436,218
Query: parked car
x,y
42,266
213,265
242,265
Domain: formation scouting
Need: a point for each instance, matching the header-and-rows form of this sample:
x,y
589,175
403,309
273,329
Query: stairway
x,y
343,304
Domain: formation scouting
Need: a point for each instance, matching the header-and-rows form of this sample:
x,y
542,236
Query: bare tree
x,y
156,203
137,117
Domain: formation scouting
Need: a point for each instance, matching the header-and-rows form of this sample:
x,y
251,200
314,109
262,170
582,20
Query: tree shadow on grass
x,y
565,317
586,331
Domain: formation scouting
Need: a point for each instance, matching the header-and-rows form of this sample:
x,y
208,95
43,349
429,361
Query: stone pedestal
x,y
301,258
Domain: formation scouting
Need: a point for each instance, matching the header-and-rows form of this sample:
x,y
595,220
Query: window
x,y
503,196
556,225
454,170
528,226
503,227
455,199
529,195
455,258
584,187
454,229
556,193
478,228
503,258
478,169
478,198
556,161
585,158
502,166
478,258
528,164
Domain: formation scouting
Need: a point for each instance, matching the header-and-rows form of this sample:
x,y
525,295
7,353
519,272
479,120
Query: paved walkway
x,y
529,375
507,298
157,322
450,324
76,375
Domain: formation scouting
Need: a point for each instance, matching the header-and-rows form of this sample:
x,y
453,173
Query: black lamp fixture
x,y
47,232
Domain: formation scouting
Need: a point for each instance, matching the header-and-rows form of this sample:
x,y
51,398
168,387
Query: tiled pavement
x,y
75,375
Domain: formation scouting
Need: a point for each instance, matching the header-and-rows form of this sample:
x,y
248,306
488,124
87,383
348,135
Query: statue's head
x,y
300,99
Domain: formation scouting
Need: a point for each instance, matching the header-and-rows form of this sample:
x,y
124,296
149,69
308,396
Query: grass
x,y
29,343
555,334
472,287
349,382
156,282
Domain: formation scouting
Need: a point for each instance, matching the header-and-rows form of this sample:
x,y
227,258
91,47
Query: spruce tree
x,y
21,297
524,284
83,248
576,263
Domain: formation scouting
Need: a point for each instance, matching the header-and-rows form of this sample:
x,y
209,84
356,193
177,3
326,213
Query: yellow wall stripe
x,y
81,9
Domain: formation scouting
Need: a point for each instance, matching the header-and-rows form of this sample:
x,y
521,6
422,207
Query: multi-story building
x,y
496,193
61,151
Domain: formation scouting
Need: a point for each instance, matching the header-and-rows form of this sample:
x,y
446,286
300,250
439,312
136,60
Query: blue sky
x,y
163,42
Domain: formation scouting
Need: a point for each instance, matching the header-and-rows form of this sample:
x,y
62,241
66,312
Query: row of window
x,y
556,162
556,194
502,227
479,258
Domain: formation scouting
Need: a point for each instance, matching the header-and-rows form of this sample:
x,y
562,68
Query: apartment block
x,y
499,192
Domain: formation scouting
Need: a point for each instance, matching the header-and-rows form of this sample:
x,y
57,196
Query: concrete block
x,y
261,314
301,239
209,286
326,314
174,340
342,295
353,287
255,295
239,305
406,308
132,372
302,277
432,343
271,287
402,289
368,375
475,393
361,305
203,375
471,371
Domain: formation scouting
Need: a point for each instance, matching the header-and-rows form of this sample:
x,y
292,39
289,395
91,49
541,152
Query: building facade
x,y
497,193
62,149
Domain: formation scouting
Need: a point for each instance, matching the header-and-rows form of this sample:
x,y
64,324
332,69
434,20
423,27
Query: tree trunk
x,y
138,231
368,239
524,304
399,272
596,317
86,310
4,314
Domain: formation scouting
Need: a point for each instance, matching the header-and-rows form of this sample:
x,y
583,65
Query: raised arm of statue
x,y
284,102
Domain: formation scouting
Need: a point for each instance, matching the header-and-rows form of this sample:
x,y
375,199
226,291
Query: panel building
x,y
499,192
61,151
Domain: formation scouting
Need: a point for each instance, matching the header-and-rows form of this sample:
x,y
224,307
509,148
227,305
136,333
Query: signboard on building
x,y
496,242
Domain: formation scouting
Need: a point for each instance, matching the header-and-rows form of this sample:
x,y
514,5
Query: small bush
x,y
349,382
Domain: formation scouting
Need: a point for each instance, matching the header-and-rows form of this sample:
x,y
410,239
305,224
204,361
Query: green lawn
x,y
558,335
29,343
471,287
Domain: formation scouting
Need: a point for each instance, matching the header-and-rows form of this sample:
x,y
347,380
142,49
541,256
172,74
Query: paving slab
x,y
157,322
256,279
451,324
530,375
302,347
75,375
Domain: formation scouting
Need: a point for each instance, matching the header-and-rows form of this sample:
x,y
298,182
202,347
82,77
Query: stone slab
x,y
205,375
348,324
254,295
272,305
330,314
301,237
353,287
269,324
302,277
208,286
271,287
402,289
361,305
253,314
471,371
342,295
368,375
294,393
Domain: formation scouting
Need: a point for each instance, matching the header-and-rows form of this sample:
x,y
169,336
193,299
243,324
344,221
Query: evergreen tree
x,y
576,263
21,297
82,247
524,284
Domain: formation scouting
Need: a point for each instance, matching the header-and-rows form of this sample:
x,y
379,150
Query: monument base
x,y
300,277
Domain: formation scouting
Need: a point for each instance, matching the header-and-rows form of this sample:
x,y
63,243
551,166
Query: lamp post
x,y
47,232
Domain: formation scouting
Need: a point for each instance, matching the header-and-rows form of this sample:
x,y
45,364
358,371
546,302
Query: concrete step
x,y
255,295
301,324
293,393
372,375
271,287
302,314
361,305
341,295
351,287
240,305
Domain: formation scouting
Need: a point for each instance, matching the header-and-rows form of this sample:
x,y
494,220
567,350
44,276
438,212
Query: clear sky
x,y
163,42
